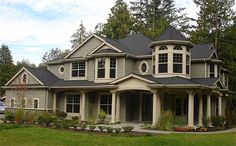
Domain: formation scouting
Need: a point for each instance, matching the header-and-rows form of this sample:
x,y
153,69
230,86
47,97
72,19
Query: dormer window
x,y
112,68
24,78
106,68
78,69
177,62
101,67
163,63
163,48
178,47
212,70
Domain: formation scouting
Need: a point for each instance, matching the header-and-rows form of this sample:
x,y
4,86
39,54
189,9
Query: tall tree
x,y
54,54
154,16
213,19
5,55
79,36
119,23
24,63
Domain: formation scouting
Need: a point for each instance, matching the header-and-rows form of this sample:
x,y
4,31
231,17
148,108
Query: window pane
x,y
112,62
103,99
76,108
162,68
81,73
35,103
101,73
101,63
109,110
76,99
112,73
187,69
74,65
177,68
177,58
163,58
81,65
69,99
69,108
163,48
104,108
74,73
178,47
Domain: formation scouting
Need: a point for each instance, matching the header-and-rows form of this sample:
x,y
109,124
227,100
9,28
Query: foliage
x,y
91,127
5,55
109,129
63,124
166,121
217,120
101,128
83,125
9,126
46,118
119,23
75,118
128,128
61,114
205,122
9,116
180,121
102,115
54,54
91,121
25,63
117,130
19,116
31,117
75,124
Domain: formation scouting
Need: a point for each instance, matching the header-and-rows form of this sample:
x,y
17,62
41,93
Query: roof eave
x,y
170,42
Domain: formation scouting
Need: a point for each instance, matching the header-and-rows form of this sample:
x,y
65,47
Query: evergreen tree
x,y
24,63
119,23
154,16
79,36
5,55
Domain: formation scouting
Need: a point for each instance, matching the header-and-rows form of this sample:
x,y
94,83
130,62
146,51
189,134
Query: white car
x,y
2,108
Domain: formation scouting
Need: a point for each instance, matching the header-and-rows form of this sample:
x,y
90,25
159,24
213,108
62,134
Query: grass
x,y
35,136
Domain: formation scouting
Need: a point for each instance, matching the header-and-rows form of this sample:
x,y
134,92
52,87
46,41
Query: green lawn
x,y
31,136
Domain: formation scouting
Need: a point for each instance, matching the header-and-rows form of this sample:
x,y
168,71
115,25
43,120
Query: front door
x,y
147,107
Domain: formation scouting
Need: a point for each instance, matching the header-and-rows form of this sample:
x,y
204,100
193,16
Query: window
x,y
101,68
78,69
178,47
12,103
24,78
153,64
163,48
73,103
112,67
187,64
212,71
36,102
61,69
177,62
163,63
144,67
105,103
178,106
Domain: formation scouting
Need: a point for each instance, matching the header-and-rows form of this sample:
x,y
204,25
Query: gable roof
x,y
172,33
203,51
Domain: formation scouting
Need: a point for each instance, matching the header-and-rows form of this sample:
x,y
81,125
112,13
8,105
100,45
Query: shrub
x,y
109,129
180,121
91,127
91,121
61,114
117,130
230,118
101,128
83,125
75,118
217,120
166,121
63,124
9,116
30,117
46,118
128,128
205,122
19,116
75,124
102,115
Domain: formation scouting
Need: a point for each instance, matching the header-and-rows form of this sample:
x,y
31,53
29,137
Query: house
x,y
131,79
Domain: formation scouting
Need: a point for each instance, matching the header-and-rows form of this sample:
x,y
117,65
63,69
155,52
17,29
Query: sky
x,y
32,27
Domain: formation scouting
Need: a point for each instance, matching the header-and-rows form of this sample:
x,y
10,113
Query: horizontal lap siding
x,y
91,70
198,70
129,66
120,67
55,70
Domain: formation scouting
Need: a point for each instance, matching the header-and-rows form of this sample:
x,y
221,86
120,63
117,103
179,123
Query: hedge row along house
x,y
131,79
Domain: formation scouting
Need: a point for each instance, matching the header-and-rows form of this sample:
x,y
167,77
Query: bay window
x,y
163,63
78,69
187,64
177,62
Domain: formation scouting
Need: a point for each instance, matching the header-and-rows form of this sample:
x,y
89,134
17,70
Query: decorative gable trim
x,y
131,76
218,82
23,69
103,44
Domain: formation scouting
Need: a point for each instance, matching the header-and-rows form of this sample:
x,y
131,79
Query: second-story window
x,y
101,68
163,63
112,67
78,69
187,64
177,62
212,71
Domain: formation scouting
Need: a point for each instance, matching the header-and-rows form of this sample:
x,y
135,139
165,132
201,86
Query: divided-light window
x,y
101,68
78,69
163,63
177,63
112,67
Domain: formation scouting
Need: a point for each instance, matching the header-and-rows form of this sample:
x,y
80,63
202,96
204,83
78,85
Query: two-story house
x,y
131,79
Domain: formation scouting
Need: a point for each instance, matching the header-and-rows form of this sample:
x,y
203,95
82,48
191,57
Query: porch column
x,y
220,106
54,102
200,110
156,107
209,106
113,107
118,107
83,106
190,108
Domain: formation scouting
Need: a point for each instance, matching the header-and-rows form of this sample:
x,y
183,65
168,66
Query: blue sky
x,y
32,27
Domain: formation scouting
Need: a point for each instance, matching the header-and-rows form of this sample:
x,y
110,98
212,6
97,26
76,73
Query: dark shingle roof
x,y
202,51
43,75
75,83
136,44
171,34
205,81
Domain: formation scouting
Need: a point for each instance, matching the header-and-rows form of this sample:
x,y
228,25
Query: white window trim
x,y
79,78
99,101
140,67
33,103
14,102
59,69
80,105
27,78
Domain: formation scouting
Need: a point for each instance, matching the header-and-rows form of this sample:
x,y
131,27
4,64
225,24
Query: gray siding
x,y
18,79
198,70
67,71
86,48
55,70
138,64
120,67
129,66
91,70
60,101
30,94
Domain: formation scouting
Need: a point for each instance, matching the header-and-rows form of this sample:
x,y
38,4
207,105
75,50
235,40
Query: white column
x,y
208,106
156,108
54,102
190,108
113,108
82,106
118,107
220,106
200,110
216,70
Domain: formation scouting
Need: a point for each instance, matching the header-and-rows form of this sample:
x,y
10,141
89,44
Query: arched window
x,y
178,47
24,78
163,48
